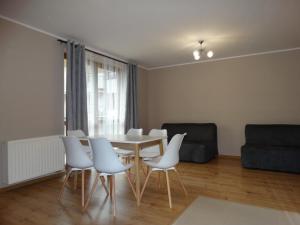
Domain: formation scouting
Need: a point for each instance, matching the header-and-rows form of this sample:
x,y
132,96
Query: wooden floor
x,y
221,178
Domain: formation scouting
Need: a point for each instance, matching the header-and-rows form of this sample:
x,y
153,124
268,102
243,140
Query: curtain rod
x,y
97,53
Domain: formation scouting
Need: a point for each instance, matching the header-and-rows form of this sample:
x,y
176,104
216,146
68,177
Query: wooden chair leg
x,y
128,162
82,189
102,179
114,194
158,179
92,191
131,185
180,181
75,179
169,190
110,186
64,184
145,184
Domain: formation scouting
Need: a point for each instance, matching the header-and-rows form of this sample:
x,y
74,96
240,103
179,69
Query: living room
x,y
225,73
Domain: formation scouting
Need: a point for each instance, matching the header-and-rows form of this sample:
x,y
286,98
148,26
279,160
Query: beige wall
x,y
31,83
230,93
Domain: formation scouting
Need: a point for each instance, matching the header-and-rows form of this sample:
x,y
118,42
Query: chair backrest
x,y
104,157
171,155
76,133
160,133
135,132
75,155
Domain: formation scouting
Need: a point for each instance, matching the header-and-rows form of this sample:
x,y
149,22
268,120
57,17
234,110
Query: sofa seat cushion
x,y
195,152
279,158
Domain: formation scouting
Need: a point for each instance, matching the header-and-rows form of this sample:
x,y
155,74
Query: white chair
x,y
77,160
154,151
106,162
166,163
135,132
125,153
80,135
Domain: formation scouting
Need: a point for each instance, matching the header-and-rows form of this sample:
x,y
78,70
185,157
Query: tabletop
x,y
129,139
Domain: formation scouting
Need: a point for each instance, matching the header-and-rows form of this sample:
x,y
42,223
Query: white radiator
x,y
31,158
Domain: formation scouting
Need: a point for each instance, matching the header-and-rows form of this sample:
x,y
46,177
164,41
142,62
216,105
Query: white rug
x,y
209,211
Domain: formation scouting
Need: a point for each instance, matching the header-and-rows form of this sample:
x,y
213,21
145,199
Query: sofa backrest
x,y
273,134
196,132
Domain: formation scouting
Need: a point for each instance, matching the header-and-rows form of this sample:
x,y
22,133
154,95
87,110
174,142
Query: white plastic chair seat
x,y
160,169
154,151
78,169
153,162
85,166
120,171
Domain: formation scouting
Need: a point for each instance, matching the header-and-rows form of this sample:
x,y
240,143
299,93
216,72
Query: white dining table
x,y
135,143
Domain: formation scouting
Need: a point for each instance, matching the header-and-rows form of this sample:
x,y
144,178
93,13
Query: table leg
x,y
161,147
161,150
137,174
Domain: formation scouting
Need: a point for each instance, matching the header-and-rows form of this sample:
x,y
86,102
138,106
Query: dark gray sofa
x,y
199,145
272,147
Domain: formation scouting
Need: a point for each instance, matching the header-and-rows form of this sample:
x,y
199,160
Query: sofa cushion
x,y
273,135
279,158
194,152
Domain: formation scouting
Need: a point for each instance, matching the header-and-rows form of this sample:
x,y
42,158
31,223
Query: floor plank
x,y
222,178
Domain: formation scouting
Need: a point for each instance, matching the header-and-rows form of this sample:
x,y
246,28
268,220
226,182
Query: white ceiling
x,y
165,32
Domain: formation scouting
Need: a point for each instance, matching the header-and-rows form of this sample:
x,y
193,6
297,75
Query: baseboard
x,y
229,157
33,181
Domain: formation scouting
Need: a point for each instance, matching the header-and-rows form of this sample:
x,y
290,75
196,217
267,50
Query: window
x,y
106,95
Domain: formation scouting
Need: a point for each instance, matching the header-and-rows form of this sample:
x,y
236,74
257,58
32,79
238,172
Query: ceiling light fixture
x,y
199,52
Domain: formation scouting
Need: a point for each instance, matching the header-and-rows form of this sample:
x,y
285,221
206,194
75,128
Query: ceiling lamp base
x,y
198,52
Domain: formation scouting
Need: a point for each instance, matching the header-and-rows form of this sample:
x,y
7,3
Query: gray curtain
x,y
76,88
131,118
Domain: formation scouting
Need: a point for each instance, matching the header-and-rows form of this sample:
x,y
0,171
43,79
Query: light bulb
x,y
196,54
210,54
